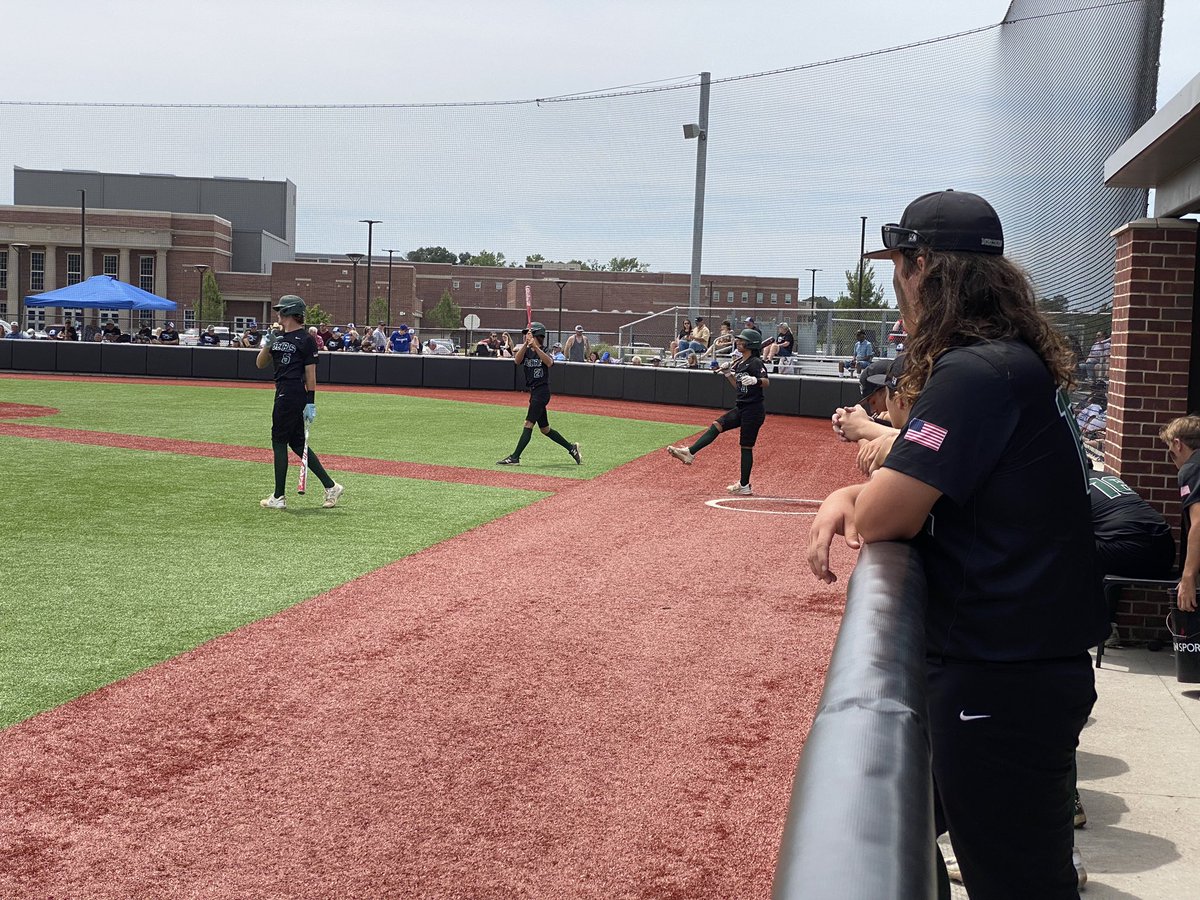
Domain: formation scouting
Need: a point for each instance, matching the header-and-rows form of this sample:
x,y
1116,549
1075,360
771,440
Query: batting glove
x,y
310,412
746,379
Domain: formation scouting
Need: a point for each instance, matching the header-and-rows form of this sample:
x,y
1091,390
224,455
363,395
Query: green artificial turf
x,y
119,559
379,426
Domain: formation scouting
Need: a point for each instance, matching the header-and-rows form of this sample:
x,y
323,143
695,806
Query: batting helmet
x,y
290,305
538,329
752,338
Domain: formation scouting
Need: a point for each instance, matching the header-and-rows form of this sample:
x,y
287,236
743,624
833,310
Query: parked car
x,y
444,345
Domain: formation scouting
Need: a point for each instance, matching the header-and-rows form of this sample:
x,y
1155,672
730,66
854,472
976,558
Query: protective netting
x,y
1024,113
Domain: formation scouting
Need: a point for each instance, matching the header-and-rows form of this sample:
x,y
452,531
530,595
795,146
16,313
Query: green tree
x,y
378,311
487,258
211,308
534,258
314,315
861,297
627,264
447,313
464,259
431,254
591,265
1055,304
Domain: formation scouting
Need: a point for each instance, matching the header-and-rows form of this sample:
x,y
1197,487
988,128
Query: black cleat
x,y
509,461
574,451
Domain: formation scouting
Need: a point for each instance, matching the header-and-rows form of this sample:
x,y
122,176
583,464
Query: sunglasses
x,y
897,238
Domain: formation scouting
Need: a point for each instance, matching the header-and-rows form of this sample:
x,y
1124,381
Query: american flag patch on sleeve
x,y
925,433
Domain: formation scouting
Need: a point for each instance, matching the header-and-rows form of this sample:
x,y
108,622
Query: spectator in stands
x,y
592,356
577,345
441,349
1093,418
1076,351
169,335
354,343
335,340
379,336
606,358
556,353
1096,364
781,345
693,360
111,331
722,344
315,333
15,333
635,361
144,335
483,348
401,339
683,338
864,352
368,346
69,332
897,336
209,337
506,345
700,336
1182,437
252,336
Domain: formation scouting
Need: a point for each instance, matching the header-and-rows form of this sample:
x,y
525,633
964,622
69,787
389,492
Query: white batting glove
x,y
746,379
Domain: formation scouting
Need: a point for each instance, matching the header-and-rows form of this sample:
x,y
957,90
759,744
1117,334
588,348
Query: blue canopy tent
x,y
100,292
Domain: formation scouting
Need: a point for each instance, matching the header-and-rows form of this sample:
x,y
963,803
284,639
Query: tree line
x,y
497,259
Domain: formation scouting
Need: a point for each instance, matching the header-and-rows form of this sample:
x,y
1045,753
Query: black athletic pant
x,y
287,430
1004,738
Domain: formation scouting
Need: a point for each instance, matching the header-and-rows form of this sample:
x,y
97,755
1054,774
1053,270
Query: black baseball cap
x,y
891,377
945,220
873,377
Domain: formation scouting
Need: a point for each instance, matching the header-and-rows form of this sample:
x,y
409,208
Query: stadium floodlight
x,y
694,131
355,258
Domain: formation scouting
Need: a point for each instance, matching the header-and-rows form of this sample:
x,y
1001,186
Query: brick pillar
x,y
1154,295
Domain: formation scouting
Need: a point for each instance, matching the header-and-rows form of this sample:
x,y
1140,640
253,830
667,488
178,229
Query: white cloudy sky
x,y
390,51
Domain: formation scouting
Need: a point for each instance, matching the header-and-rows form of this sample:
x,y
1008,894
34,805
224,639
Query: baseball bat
x,y
528,306
303,464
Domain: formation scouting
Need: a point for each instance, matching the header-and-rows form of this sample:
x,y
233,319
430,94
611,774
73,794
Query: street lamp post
x,y
355,258
201,268
389,311
561,284
370,223
699,131
862,258
812,296
17,248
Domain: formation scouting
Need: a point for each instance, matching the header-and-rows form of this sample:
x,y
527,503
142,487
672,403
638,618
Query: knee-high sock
x,y
526,434
281,463
558,438
747,463
704,440
314,466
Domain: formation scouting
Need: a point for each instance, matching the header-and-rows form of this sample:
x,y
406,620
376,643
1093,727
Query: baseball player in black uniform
x,y
989,479
535,362
749,375
1182,437
294,352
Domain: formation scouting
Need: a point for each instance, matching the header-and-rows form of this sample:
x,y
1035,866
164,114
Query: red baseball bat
x,y
303,464
528,305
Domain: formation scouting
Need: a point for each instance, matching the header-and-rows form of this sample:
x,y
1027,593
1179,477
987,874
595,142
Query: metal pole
x,y
862,249
371,223
389,300
561,285
698,217
201,268
17,248
354,258
83,267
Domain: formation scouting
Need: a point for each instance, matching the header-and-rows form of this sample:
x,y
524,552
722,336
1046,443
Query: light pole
x,y
812,297
201,268
355,258
862,258
561,284
371,223
389,314
699,130
17,248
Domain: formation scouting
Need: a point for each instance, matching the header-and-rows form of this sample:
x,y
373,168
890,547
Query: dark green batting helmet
x,y
752,338
291,305
538,329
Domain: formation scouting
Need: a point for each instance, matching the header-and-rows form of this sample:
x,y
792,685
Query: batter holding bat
x,y
294,353
536,362
749,375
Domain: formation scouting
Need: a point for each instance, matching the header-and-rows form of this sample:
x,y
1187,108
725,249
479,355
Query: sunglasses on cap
x,y
897,238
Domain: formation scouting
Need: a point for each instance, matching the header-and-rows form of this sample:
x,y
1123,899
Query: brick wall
x,y
1154,298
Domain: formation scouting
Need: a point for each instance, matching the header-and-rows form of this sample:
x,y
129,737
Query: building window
x,y
787,299
35,317
730,296
74,271
189,319
4,271
774,299
146,274
758,297
745,296
109,315
37,271
110,264
241,323
479,285
4,311
499,285
76,315
716,295
456,284
145,318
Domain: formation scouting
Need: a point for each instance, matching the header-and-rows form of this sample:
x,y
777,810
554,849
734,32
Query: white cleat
x,y
331,495
738,488
273,502
683,454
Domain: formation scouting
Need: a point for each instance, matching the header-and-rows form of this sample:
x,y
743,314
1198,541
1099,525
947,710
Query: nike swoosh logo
x,y
964,717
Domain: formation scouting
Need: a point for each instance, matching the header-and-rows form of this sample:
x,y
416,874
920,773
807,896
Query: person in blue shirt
x,y
864,352
16,333
401,340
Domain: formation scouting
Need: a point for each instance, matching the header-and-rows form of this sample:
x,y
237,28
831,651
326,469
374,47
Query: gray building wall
x,y
254,207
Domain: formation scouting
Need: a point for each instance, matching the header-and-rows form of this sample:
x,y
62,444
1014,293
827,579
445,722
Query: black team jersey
x,y
537,374
1119,513
291,352
1189,494
1008,549
749,396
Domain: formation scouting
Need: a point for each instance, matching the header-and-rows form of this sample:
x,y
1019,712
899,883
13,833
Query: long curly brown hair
x,y
965,298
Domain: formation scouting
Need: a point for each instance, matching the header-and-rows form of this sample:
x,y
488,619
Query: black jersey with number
x,y
753,365
1008,549
1119,513
537,373
291,352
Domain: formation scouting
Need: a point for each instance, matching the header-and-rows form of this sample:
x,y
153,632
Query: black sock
x,y
314,466
558,438
281,463
526,434
747,463
704,440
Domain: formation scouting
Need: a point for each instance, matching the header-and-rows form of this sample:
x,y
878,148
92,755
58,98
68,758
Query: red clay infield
x,y
602,695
